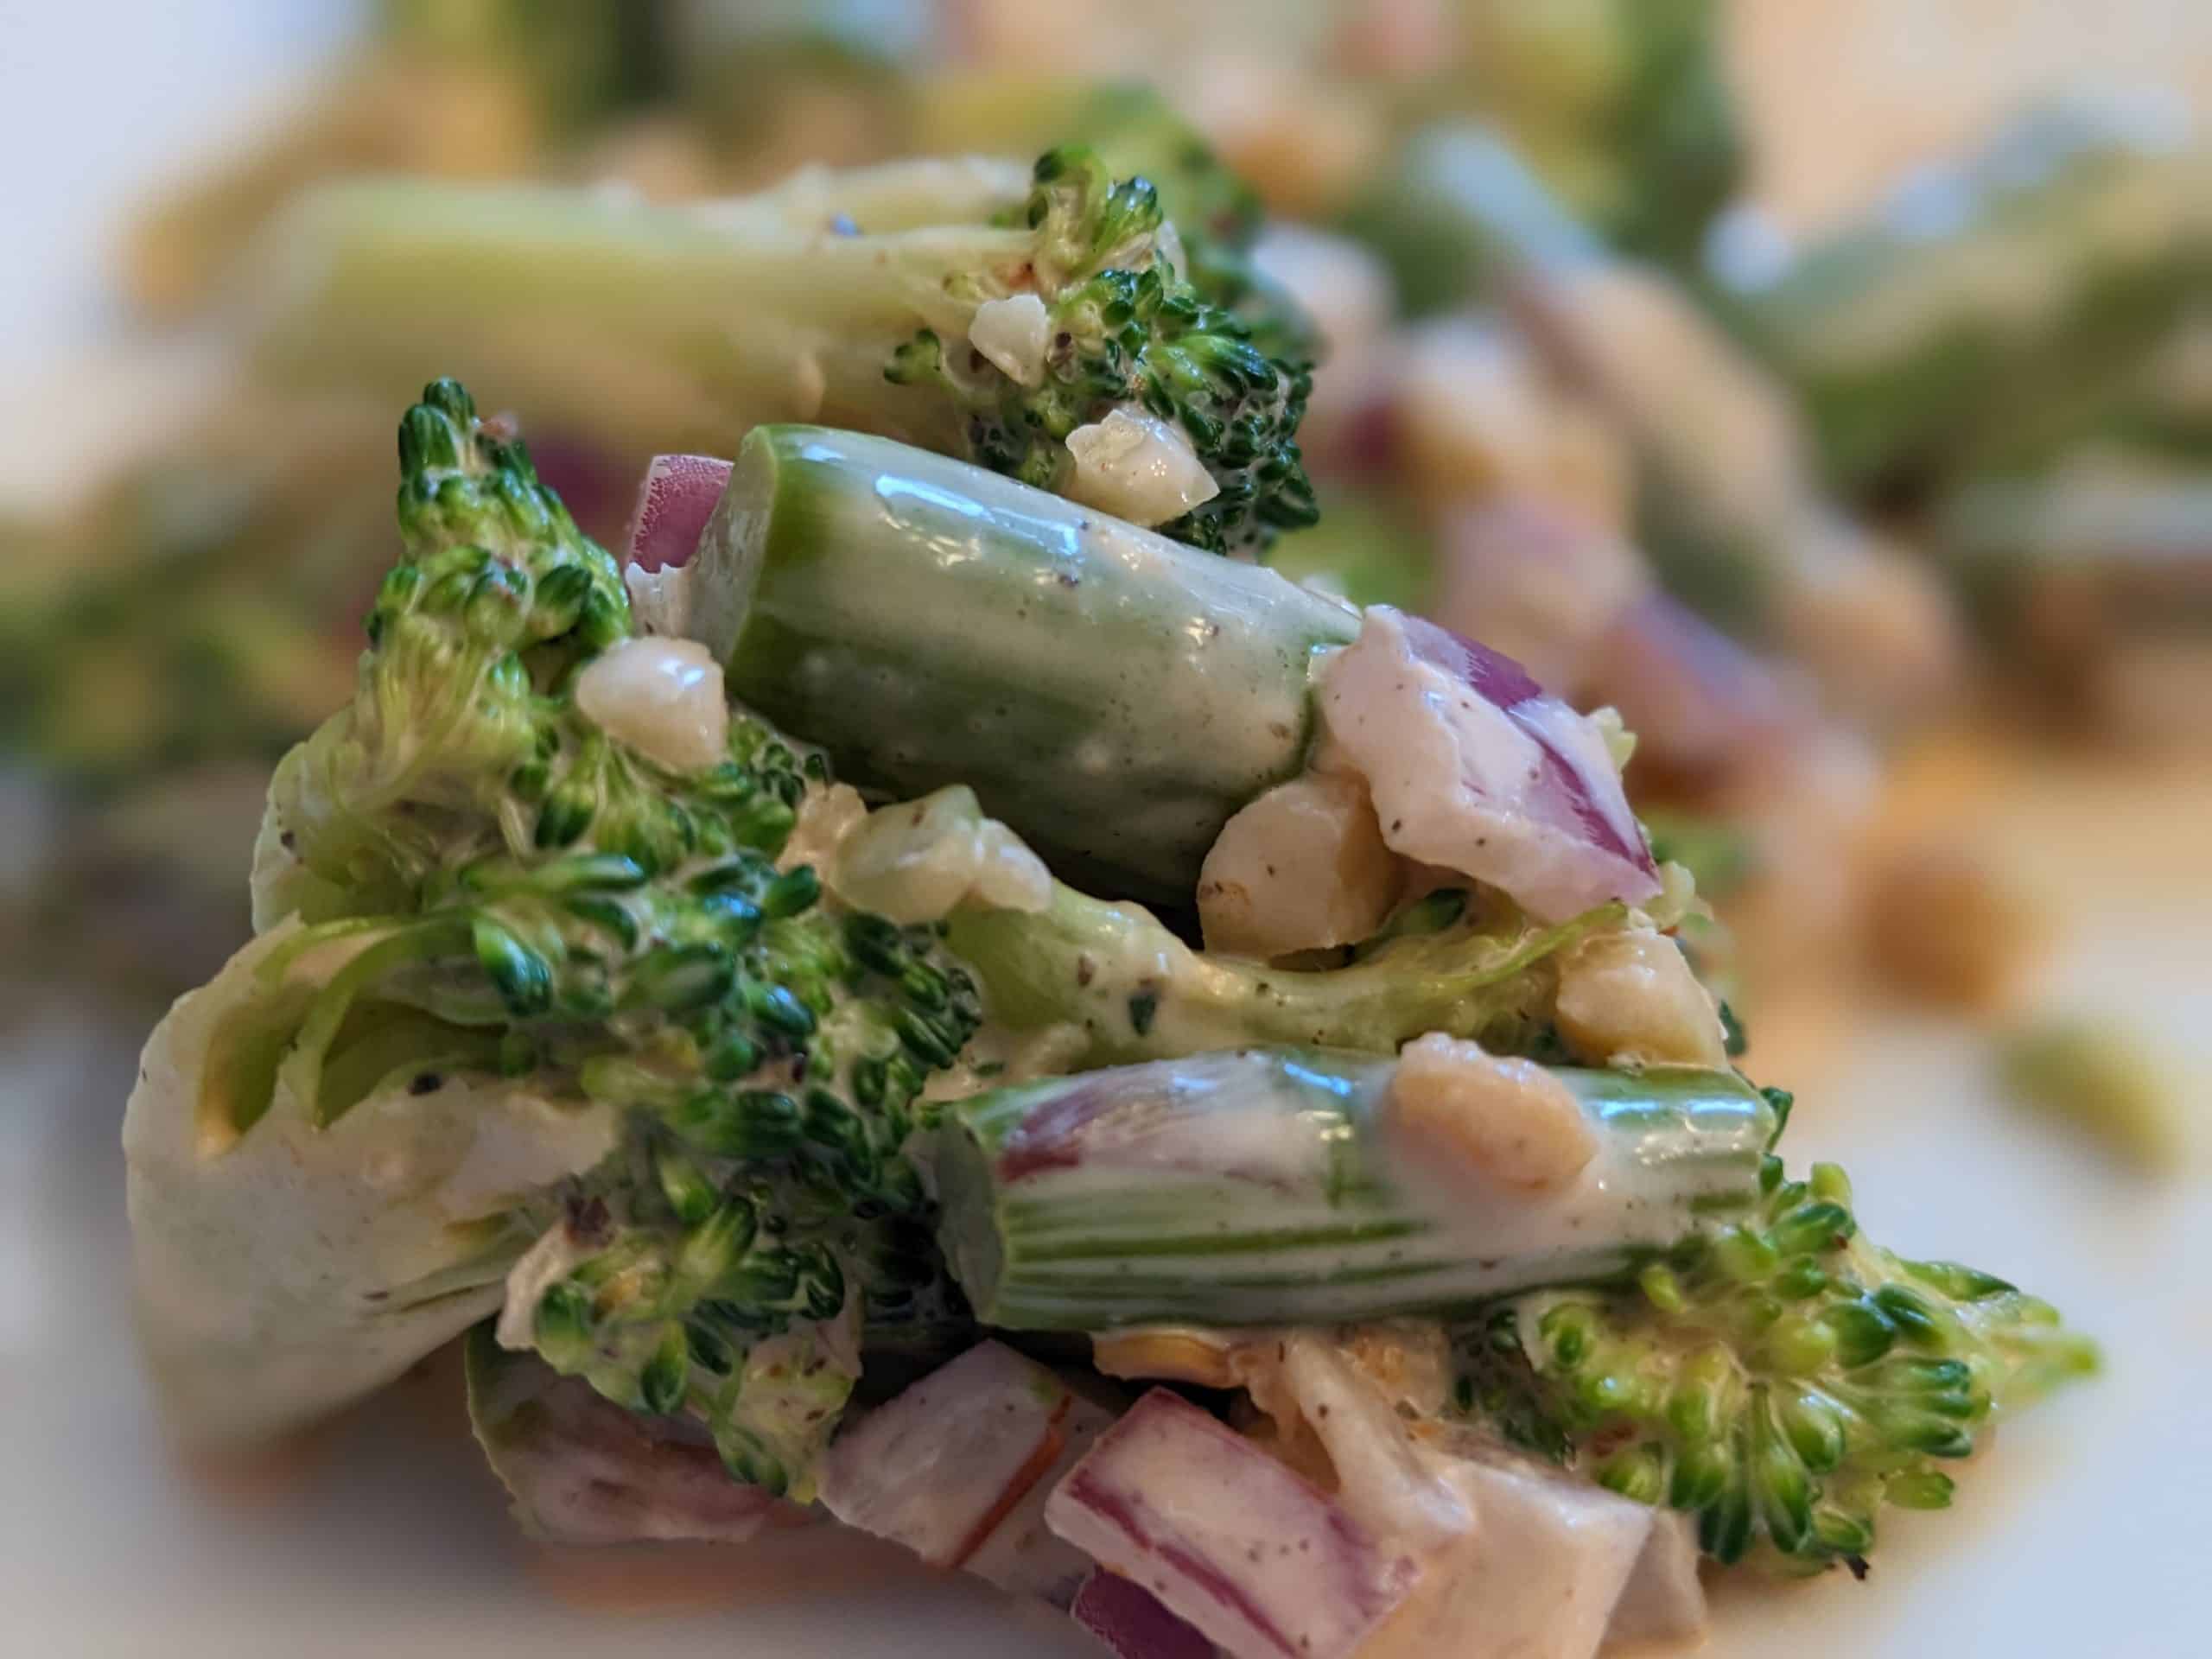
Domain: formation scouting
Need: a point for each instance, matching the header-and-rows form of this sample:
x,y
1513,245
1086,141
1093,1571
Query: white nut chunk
x,y
1628,997
1012,333
1137,468
825,818
1302,867
920,861
662,697
1456,1107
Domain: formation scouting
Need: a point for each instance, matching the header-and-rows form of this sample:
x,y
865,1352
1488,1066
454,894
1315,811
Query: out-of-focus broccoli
x,y
1362,550
2101,1079
963,306
1996,310
1780,1378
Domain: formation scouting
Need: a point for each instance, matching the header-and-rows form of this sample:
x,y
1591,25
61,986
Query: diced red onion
x,y
584,1471
674,504
1704,710
941,1467
1129,1620
1227,1538
1537,1578
1475,767
593,485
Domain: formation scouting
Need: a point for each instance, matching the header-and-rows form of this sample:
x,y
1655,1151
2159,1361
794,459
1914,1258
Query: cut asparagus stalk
x,y
1270,1187
1112,694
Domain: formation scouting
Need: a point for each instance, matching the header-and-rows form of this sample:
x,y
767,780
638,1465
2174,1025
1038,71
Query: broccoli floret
x,y
848,297
1780,1378
497,593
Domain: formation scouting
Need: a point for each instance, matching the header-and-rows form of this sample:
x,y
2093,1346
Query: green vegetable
x,y
2070,253
1362,550
496,595
1113,695
687,325
1259,1187
531,1010
1779,1378
1725,508
1622,106
2103,1080
1132,990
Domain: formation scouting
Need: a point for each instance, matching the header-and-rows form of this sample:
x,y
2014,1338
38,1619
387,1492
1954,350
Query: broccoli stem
x,y
637,325
1136,992
1261,1187
847,297
1111,694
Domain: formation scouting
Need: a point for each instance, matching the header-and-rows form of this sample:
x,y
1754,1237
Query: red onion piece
x,y
584,1471
947,1465
674,504
1475,767
1705,710
1537,1578
1227,1538
595,485
1129,1620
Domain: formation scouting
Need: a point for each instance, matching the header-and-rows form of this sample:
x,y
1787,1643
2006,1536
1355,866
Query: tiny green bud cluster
x,y
1127,328
1776,1378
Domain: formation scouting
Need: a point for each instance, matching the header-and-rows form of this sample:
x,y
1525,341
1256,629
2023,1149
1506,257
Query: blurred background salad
x,y
1826,386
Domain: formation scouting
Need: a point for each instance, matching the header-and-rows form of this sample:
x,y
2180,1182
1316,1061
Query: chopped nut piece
x,y
1629,997
1302,867
1507,1121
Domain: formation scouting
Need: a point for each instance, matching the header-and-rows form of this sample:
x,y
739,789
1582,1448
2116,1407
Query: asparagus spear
x,y
1265,1186
1115,694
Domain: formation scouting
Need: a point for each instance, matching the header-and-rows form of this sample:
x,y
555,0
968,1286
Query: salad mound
x,y
726,987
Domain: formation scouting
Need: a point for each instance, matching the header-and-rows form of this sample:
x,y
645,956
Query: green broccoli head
x,y
1125,326
497,596
1217,216
1779,1378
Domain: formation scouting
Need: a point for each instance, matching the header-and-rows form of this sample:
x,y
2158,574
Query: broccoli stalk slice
x,y
686,326
1778,1378
1260,1186
1112,695
1122,987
